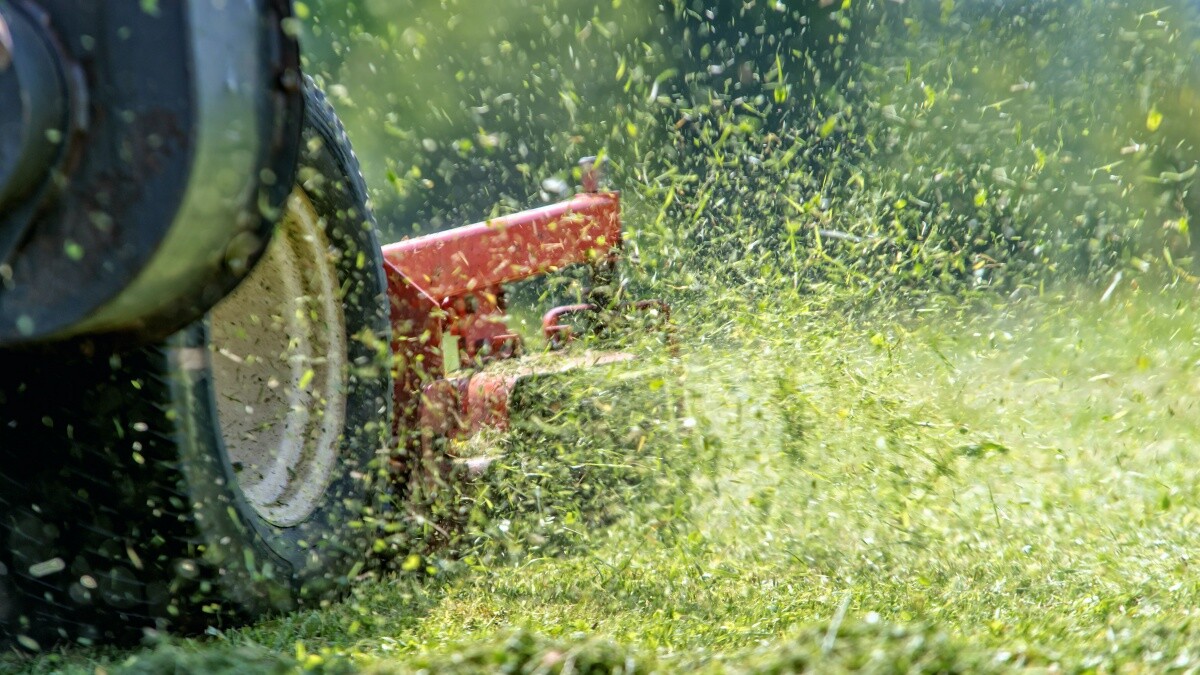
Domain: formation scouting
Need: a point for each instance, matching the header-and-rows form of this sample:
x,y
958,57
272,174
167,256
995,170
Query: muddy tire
x,y
222,474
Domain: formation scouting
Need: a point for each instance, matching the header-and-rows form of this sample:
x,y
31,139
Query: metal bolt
x,y
6,45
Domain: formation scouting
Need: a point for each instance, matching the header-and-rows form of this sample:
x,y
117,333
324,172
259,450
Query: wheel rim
x,y
279,366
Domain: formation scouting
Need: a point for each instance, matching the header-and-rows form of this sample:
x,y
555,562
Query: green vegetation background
x,y
957,144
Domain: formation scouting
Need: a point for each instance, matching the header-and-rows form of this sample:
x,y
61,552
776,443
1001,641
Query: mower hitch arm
x,y
485,255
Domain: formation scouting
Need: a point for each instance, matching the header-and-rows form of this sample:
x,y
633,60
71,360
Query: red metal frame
x,y
463,270
446,289
451,284
485,255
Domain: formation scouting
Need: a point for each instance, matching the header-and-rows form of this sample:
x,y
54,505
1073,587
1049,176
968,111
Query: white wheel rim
x,y
279,368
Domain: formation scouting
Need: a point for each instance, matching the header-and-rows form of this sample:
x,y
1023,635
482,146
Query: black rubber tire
x,y
119,510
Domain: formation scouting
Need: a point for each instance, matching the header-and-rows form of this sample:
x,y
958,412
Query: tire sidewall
x,y
315,554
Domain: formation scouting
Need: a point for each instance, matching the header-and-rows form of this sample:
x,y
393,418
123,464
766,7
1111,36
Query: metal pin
x,y
6,45
591,174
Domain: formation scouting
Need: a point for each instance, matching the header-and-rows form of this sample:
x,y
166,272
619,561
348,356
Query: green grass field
x,y
993,488
894,450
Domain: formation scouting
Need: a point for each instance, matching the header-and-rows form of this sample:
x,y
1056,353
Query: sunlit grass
x,y
1012,487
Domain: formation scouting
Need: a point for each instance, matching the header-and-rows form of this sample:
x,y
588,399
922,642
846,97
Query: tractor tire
x,y
223,474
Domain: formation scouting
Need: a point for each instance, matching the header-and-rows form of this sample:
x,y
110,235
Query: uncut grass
x,y
1025,483
1007,488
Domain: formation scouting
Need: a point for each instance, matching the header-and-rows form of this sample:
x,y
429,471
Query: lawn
x,y
1006,486
933,404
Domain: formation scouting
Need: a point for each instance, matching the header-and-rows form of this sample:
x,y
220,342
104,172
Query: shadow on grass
x,y
316,639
